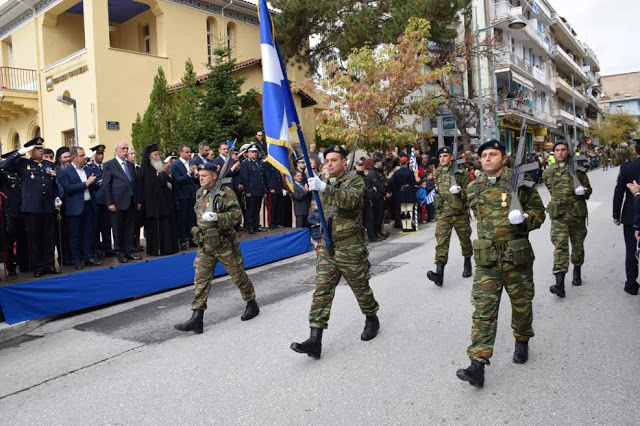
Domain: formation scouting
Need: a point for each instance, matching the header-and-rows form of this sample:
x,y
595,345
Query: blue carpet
x,y
62,294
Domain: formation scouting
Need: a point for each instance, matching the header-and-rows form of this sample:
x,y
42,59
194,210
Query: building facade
x,y
621,93
104,55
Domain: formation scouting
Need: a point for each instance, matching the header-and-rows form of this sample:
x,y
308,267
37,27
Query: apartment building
x,y
104,55
621,93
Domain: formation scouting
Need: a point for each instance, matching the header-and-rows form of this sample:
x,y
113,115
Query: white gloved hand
x,y
579,190
455,189
210,216
316,184
23,151
57,202
516,217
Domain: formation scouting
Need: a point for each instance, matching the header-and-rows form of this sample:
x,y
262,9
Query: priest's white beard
x,y
157,164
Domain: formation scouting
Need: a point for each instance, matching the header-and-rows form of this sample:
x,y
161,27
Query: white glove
x,y
516,217
455,189
579,190
210,216
316,184
23,151
57,202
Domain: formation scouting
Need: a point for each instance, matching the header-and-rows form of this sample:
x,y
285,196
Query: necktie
x,y
126,170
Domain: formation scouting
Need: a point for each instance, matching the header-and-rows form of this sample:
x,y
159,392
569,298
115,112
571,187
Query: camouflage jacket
x,y
344,198
226,205
447,203
564,201
490,205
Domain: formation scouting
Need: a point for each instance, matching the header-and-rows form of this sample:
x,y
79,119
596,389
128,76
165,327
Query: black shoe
x,y
251,311
403,215
371,328
577,278
262,230
382,236
78,266
438,276
521,353
41,272
312,346
558,288
132,256
183,246
631,290
466,271
67,263
123,259
194,324
375,240
251,231
474,374
93,262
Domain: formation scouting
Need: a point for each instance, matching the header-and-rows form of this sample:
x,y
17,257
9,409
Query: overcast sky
x,y
610,27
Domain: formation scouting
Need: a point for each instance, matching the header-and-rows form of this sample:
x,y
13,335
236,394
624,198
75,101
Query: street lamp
x,y
515,23
70,101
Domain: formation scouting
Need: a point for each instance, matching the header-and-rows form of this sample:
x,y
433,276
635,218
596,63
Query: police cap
x,y
492,144
36,142
253,148
98,149
336,148
444,150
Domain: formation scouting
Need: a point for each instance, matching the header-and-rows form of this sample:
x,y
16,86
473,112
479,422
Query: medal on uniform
x,y
503,196
32,176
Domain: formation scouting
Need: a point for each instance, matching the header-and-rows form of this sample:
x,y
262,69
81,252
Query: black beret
x,y
492,144
98,148
444,150
37,142
335,148
560,142
209,167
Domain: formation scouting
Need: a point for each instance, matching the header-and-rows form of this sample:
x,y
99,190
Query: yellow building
x,y
104,54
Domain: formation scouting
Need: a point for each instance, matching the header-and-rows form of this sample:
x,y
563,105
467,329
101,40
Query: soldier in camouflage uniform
x,y
504,259
568,212
341,198
453,213
216,215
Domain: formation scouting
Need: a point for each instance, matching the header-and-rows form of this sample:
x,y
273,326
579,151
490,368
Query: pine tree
x,y
187,126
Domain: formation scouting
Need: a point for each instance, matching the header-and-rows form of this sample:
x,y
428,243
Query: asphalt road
x,y
126,365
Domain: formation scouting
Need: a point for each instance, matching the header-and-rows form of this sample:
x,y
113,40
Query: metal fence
x,y
18,79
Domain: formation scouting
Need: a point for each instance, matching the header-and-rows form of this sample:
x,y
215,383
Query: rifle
x,y
352,158
455,162
222,177
519,170
573,159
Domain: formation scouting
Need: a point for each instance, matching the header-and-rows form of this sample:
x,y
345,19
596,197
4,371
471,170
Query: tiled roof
x,y
205,76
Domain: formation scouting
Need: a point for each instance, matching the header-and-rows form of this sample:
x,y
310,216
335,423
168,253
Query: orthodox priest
x,y
158,203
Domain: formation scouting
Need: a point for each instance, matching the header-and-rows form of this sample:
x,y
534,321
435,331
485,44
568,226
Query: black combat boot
x,y
558,289
438,276
252,310
371,328
521,353
474,374
466,271
577,278
312,346
194,324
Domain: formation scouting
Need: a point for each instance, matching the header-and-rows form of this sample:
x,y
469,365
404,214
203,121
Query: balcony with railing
x,y
18,92
591,57
566,36
525,108
565,61
523,65
539,37
567,117
565,91
20,79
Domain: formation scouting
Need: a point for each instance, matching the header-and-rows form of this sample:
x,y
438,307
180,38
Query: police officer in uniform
x,y
40,198
216,215
252,182
341,198
102,243
504,259
16,233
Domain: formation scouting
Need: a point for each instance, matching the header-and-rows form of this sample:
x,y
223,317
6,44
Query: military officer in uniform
x,y
102,242
17,254
216,215
252,182
453,213
341,198
40,198
504,259
568,212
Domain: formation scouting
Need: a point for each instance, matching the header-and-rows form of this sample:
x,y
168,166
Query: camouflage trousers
x,y
444,227
564,230
205,263
485,298
351,262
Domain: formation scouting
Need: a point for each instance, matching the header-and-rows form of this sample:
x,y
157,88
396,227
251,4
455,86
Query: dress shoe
x,y
195,323
78,266
183,246
51,270
93,262
521,353
132,256
251,311
371,328
383,236
123,259
41,272
474,374
312,346
261,230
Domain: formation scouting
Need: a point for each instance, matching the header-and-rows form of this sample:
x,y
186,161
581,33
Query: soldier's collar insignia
x,y
492,179
561,164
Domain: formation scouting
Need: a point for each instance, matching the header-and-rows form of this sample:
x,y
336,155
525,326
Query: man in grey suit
x,y
123,199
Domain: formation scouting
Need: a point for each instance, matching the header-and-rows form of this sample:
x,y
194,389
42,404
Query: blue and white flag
x,y
413,164
279,114
590,90
430,196
534,6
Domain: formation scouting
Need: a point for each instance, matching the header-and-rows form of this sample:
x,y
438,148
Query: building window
x,y
146,39
231,38
69,138
16,141
211,40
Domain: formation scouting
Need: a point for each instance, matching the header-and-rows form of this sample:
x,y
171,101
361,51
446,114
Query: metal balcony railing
x,y
21,79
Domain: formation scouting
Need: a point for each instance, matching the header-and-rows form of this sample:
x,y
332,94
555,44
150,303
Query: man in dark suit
x,y
203,152
623,201
102,241
301,200
79,184
123,199
253,184
184,177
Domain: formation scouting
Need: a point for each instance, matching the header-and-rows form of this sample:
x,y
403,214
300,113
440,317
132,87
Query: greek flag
x,y
430,196
413,164
590,90
279,114
534,6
